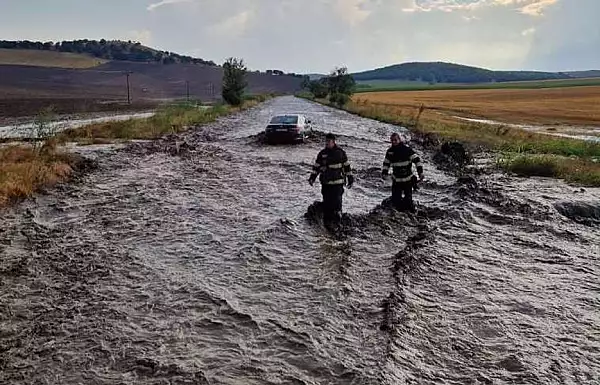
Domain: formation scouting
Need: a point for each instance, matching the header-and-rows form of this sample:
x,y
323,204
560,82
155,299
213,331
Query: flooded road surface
x,y
200,267
34,129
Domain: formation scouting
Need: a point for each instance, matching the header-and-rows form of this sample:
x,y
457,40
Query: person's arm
x,y
347,169
316,169
386,165
416,159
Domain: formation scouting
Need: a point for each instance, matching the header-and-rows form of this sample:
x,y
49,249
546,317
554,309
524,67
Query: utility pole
x,y
211,89
187,89
127,73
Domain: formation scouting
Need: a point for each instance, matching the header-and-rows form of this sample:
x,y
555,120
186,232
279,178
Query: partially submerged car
x,y
288,128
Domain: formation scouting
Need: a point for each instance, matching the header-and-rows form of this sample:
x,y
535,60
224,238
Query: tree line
x,y
108,49
338,87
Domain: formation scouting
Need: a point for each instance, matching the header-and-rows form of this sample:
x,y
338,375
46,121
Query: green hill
x,y
108,50
440,72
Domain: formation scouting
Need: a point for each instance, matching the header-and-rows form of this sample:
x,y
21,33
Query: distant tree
x,y
340,86
305,82
319,88
234,81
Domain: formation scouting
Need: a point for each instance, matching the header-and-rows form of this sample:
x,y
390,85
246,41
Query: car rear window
x,y
284,119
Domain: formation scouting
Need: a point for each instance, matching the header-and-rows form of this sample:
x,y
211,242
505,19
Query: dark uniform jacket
x,y
401,158
332,165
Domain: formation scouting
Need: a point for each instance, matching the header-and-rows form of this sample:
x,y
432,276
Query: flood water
x,y
34,130
201,268
588,133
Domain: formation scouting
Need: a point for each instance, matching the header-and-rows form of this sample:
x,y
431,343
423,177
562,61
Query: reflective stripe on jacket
x,y
401,158
332,165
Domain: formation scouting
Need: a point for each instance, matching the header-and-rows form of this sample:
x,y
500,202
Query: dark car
x,y
288,128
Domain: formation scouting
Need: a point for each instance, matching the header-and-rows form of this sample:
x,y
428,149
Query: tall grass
x,y
24,170
169,119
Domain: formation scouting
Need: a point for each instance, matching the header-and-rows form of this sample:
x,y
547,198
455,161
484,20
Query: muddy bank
x,y
198,259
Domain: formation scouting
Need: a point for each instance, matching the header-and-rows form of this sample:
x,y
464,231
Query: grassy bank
x,y
168,119
28,168
524,153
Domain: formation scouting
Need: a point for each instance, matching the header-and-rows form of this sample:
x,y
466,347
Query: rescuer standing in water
x,y
334,168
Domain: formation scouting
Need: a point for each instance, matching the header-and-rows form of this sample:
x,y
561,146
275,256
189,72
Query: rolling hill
x,y
440,72
584,74
106,49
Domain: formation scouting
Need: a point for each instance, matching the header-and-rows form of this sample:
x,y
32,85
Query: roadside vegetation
x,y
27,168
518,151
338,87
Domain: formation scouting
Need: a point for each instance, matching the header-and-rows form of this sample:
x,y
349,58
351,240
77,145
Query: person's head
x,y
330,140
395,139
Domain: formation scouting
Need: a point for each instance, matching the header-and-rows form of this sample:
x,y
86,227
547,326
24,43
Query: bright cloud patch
x,y
530,7
159,4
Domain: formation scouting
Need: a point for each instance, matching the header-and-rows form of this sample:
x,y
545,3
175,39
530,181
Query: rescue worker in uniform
x,y
334,168
400,157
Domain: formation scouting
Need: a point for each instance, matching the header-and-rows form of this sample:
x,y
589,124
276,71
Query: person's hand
x,y
350,180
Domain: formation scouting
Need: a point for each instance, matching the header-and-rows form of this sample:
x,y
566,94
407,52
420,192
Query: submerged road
x,y
201,268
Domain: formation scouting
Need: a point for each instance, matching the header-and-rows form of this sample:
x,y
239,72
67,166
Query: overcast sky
x,y
317,35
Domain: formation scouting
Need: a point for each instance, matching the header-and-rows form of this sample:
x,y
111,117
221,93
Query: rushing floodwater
x,y
201,268
33,130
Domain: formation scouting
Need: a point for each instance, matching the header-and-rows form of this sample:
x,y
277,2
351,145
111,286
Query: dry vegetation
x,y
47,59
568,105
24,170
519,151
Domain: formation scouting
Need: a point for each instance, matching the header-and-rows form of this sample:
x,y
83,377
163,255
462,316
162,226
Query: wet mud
x,y
201,258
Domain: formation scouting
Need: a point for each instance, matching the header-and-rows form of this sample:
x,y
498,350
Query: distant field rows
x,y
554,106
391,85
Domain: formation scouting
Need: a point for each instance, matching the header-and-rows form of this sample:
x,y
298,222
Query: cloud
x,y
529,7
352,11
537,8
528,31
317,35
143,36
153,6
235,25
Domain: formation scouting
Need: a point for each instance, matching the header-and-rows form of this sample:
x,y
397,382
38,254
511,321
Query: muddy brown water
x,y
202,268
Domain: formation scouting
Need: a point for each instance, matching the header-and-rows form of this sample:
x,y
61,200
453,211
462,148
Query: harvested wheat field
x,y
556,106
47,59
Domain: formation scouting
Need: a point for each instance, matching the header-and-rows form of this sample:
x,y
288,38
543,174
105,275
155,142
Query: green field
x,y
394,85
